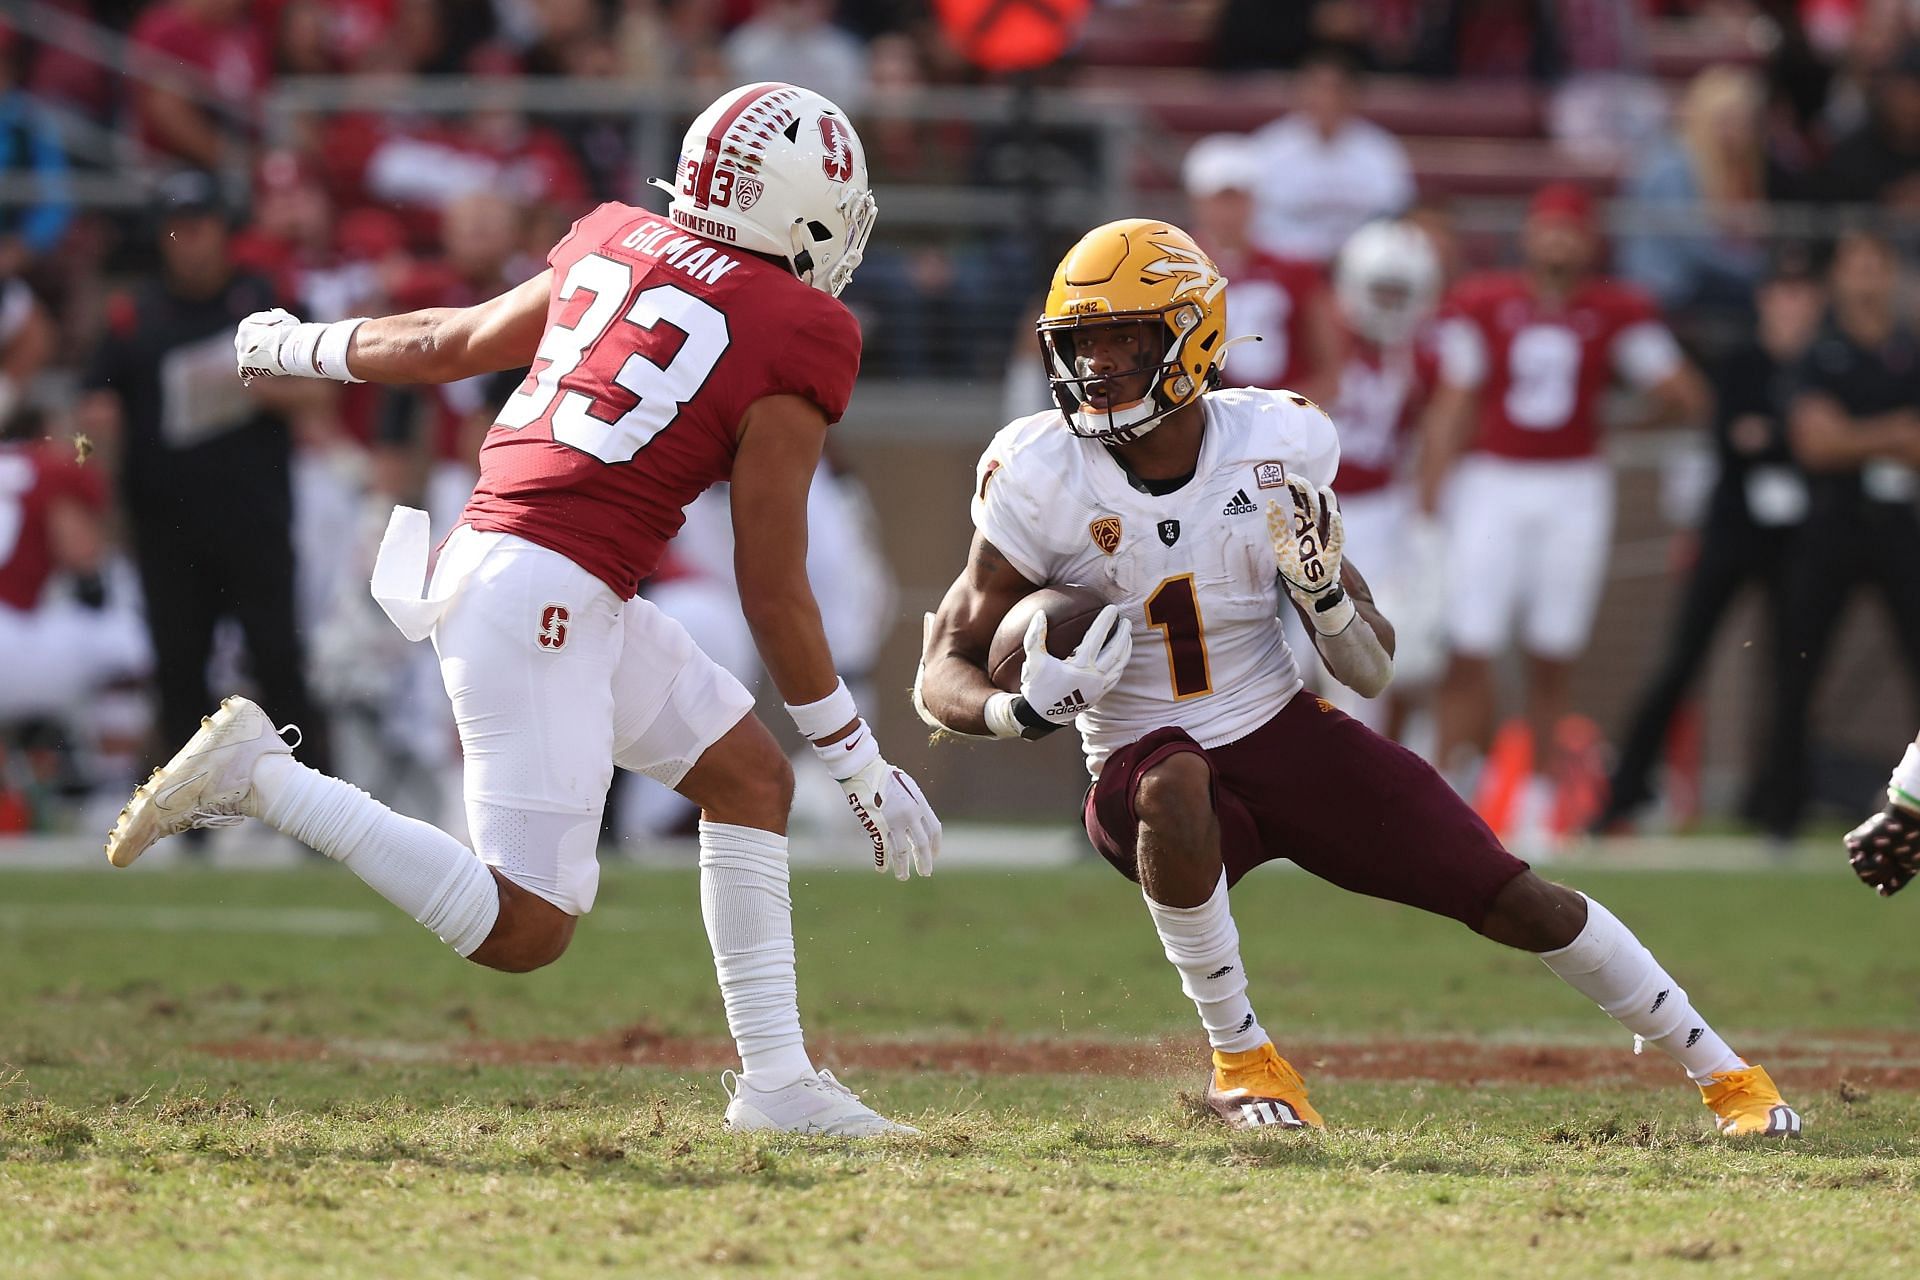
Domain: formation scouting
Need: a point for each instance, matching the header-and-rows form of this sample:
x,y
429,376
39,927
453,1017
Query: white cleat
x,y
812,1104
208,783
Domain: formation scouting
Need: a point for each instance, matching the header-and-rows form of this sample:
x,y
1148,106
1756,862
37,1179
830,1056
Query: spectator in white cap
x,y
1284,302
1322,170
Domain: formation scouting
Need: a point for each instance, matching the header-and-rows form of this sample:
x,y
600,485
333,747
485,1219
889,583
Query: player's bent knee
x,y
1534,914
530,934
1175,796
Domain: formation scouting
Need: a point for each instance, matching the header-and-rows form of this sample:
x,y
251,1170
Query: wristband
x,y
1010,715
320,350
1332,613
823,719
1907,776
851,754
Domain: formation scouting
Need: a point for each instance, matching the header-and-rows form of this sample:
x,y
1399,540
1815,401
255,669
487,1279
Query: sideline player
x,y
1525,361
1386,285
1190,510
668,353
1884,851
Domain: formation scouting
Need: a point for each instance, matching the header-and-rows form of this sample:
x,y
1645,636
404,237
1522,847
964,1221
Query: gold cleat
x,y
1259,1089
1746,1103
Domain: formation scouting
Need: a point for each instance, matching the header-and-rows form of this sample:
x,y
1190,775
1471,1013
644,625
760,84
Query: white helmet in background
x,y
779,170
1387,281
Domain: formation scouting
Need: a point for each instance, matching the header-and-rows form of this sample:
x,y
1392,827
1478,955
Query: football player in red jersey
x,y
1386,286
667,353
59,646
1283,302
1525,361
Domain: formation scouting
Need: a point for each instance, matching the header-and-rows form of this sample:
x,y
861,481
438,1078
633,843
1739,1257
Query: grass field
x,y
250,1074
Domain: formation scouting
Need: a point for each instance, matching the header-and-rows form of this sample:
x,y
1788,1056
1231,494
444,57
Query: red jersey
x,y
1377,407
657,342
1269,296
1542,368
35,474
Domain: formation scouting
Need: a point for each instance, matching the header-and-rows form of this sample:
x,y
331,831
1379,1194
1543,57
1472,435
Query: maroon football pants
x,y
1318,787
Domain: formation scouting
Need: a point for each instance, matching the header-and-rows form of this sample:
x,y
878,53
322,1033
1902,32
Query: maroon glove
x,y
1884,851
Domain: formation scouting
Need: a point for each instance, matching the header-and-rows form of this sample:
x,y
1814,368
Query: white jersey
x,y
1192,570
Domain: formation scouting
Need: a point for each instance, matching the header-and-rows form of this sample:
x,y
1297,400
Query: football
x,y
1070,611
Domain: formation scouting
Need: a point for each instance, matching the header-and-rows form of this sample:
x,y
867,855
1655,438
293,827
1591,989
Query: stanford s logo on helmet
x,y
837,138
1137,271
777,169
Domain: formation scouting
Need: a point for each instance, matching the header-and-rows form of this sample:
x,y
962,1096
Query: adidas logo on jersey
x,y
1240,506
1071,705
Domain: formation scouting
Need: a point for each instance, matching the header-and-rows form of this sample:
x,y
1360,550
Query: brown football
x,y
1070,611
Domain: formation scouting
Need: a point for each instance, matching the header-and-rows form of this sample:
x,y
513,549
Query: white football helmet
x,y
779,170
1387,281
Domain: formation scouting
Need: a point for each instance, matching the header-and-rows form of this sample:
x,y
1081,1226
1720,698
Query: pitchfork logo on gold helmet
x,y
1137,271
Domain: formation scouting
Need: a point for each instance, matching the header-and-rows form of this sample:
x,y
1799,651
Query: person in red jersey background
x,y
1281,301
1386,286
666,354
60,645
1526,359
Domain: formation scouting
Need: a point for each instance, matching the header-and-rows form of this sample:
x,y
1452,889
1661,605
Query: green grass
x,y
127,1150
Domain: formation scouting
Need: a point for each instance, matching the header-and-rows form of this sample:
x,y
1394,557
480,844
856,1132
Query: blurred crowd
x,y
164,531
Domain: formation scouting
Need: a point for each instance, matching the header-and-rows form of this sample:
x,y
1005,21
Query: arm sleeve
x,y
1462,351
820,359
1009,517
1644,353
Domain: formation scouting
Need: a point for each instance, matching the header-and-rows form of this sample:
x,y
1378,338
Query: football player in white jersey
x,y
1195,513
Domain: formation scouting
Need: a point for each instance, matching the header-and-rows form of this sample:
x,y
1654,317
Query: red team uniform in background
x,y
1531,505
34,475
1269,296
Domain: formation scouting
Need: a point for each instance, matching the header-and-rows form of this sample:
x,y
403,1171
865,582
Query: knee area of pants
x,y
1175,794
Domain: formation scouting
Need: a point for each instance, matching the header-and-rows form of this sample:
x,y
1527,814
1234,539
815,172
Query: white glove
x,y
273,343
1057,690
1308,538
885,802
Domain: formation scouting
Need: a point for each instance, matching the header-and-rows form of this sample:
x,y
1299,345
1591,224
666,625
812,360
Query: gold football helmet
x,y
1130,272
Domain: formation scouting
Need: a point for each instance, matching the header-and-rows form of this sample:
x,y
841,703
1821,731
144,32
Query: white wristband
x,y
823,719
998,713
1906,775
851,754
320,350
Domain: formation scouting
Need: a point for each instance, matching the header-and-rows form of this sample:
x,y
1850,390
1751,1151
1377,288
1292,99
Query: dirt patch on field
x,y
1860,1061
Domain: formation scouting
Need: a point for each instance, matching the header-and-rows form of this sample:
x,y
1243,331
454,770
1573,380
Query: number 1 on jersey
x,y
1174,610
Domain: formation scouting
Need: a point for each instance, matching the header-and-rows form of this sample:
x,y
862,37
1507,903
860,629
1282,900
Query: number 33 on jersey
x,y
1193,571
651,357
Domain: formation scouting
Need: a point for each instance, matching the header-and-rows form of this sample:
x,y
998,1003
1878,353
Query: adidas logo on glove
x,y
1071,705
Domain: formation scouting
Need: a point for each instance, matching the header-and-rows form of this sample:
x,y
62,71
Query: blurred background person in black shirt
x,y
1758,502
1854,424
202,464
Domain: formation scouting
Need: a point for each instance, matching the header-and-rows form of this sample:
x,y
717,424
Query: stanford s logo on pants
x,y
552,635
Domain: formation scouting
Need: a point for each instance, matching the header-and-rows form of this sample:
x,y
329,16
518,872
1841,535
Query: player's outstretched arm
x,y
780,441
438,344
1884,851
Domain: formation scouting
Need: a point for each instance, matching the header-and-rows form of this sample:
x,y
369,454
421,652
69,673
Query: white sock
x,y
1611,967
415,866
1204,945
749,915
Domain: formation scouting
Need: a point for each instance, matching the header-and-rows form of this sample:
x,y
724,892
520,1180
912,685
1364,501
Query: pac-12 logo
x,y
552,635
838,140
